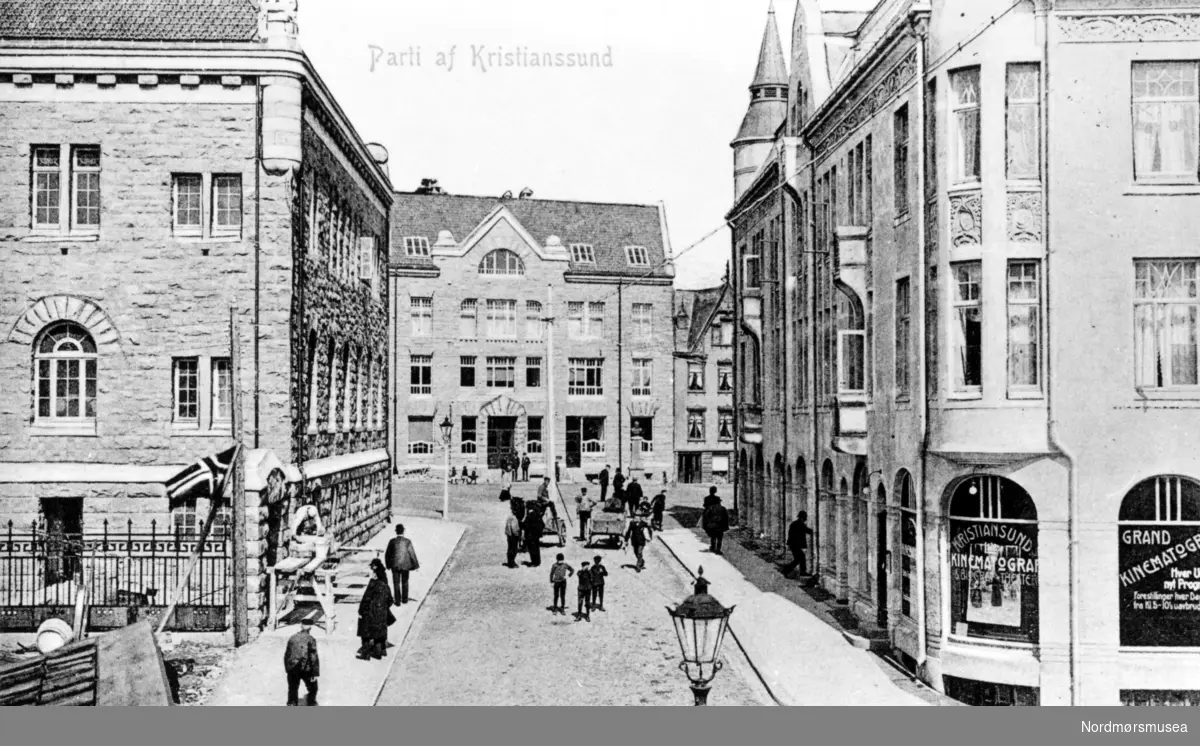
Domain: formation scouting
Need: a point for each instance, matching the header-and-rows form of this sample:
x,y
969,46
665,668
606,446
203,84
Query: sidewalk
x,y
255,675
801,659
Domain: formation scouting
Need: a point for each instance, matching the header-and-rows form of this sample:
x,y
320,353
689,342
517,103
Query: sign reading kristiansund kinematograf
x,y
994,579
1160,585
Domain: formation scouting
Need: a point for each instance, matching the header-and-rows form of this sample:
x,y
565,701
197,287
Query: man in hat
x,y
715,521
604,483
633,495
797,541
584,506
401,558
301,662
638,535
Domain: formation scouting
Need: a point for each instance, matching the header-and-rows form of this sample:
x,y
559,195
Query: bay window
x,y
966,141
1024,325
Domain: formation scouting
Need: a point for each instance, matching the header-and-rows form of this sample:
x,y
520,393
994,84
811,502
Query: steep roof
x,y
609,228
772,69
700,305
130,20
764,115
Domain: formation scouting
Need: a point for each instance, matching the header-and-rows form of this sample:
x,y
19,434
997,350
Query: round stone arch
x,y
53,308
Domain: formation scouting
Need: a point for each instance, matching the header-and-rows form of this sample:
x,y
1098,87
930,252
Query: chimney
x,y
277,23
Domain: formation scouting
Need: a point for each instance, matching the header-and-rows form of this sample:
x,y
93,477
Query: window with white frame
x,y
533,441
966,141
695,377
470,435
643,374
695,425
1024,326
533,372
468,319
585,376
366,260
501,318
1023,121
501,372
967,326
643,322
752,263
591,434
637,256
466,371
851,361
189,204
725,378
1166,316
501,262
59,182
725,425
585,320
313,359
222,390
903,332
421,375
227,204
594,326
416,246
1166,107
184,523
420,435
420,311
533,320
187,390
66,362
583,253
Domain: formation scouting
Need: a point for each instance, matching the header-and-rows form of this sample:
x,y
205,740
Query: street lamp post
x,y
447,429
700,624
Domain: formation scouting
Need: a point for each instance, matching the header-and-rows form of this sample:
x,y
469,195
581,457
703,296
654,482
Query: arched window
x,y
908,543
65,369
501,262
1159,558
993,560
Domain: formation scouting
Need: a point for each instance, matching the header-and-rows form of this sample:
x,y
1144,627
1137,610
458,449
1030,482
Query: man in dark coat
x,y
797,541
618,485
525,468
604,483
633,495
401,559
302,662
512,534
375,614
638,535
533,528
715,523
657,507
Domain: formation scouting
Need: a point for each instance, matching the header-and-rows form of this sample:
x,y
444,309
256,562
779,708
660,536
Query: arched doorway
x,y
860,538
883,555
779,530
826,525
907,503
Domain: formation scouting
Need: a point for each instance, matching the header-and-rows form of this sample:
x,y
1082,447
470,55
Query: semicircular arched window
x,y
65,369
501,262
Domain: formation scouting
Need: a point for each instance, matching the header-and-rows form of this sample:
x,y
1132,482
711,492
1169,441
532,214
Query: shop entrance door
x,y
689,468
501,432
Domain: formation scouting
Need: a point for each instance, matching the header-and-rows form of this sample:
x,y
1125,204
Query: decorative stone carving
x,y
1025,217
1132,27
863,106
966,219
53,308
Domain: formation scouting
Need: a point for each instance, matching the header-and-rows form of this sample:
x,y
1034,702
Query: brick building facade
x,y
190,164
704,419
474,280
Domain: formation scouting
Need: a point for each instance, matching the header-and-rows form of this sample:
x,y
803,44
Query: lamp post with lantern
x,y
447,428
700,624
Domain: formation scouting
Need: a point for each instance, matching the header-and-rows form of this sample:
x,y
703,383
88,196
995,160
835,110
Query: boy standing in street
x,y
559,572
585,593
301,662
584,506
599,573
637,535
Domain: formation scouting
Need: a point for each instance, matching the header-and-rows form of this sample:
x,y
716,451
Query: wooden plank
x,y
131,669
80,699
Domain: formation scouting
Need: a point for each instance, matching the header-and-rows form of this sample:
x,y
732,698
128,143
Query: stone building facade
x,y
963,276
704,418
147,195
531,322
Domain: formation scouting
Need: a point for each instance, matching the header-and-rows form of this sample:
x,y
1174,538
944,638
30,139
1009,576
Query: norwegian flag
x,y
208,473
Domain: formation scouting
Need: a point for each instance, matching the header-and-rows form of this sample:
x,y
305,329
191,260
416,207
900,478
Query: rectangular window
x,y
466,372
501,319
931,142
420,435
469,437
903,332
725,425
724,378
47,187
965,85
533,372
420,311
533,320
860,183
641,433
967,327
1024,325
187,390
637,256
714,335
585,320
851,361
592,437
1165,132
183,518
695,425
416,246
421,375
467,319
85,173
1166,316
695,377
1023,93
752,266
585,376
643,322
188,189
366,259
900,141
533,442
222,391
583,253
643,373
227,205
501,372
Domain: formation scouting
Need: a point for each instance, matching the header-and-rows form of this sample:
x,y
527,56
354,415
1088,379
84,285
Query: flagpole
x,y
214,502
238,503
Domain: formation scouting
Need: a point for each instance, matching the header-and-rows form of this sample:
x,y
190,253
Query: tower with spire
x,y
768,108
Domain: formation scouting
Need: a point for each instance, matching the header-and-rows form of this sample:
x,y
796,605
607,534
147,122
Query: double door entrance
x,y
501,440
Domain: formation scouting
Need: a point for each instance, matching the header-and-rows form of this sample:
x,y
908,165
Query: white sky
x,y
653,127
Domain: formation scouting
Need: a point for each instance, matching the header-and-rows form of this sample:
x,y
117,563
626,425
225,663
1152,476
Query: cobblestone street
x,y
486,636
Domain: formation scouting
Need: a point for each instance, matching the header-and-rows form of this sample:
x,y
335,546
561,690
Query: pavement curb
x,y
753,666
387,674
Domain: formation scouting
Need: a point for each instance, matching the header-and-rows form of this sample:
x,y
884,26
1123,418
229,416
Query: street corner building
x,y
174,171
704,421
541,327
965,292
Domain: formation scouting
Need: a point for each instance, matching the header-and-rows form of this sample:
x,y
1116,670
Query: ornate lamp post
x,y
700,623
447,430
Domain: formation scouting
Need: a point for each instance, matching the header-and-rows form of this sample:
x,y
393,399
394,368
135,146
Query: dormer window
x,y
637,256
416,246
583,253
501,262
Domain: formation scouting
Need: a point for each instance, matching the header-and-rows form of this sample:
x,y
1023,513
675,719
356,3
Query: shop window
x,y
1160,698
987,694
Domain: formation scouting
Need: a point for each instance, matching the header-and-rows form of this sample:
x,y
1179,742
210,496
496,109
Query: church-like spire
x,y
768,108
772,70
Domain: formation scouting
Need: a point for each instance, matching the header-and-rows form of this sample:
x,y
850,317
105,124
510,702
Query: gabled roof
x,y
609,228
701,306
130,20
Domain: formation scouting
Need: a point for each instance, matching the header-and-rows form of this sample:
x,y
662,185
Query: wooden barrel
x,y
52,634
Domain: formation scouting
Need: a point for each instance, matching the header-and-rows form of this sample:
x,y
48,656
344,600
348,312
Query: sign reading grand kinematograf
x,y
994,579
1160,585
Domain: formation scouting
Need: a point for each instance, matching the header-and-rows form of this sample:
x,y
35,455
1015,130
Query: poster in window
x,y
1159,585
994,580
995,596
